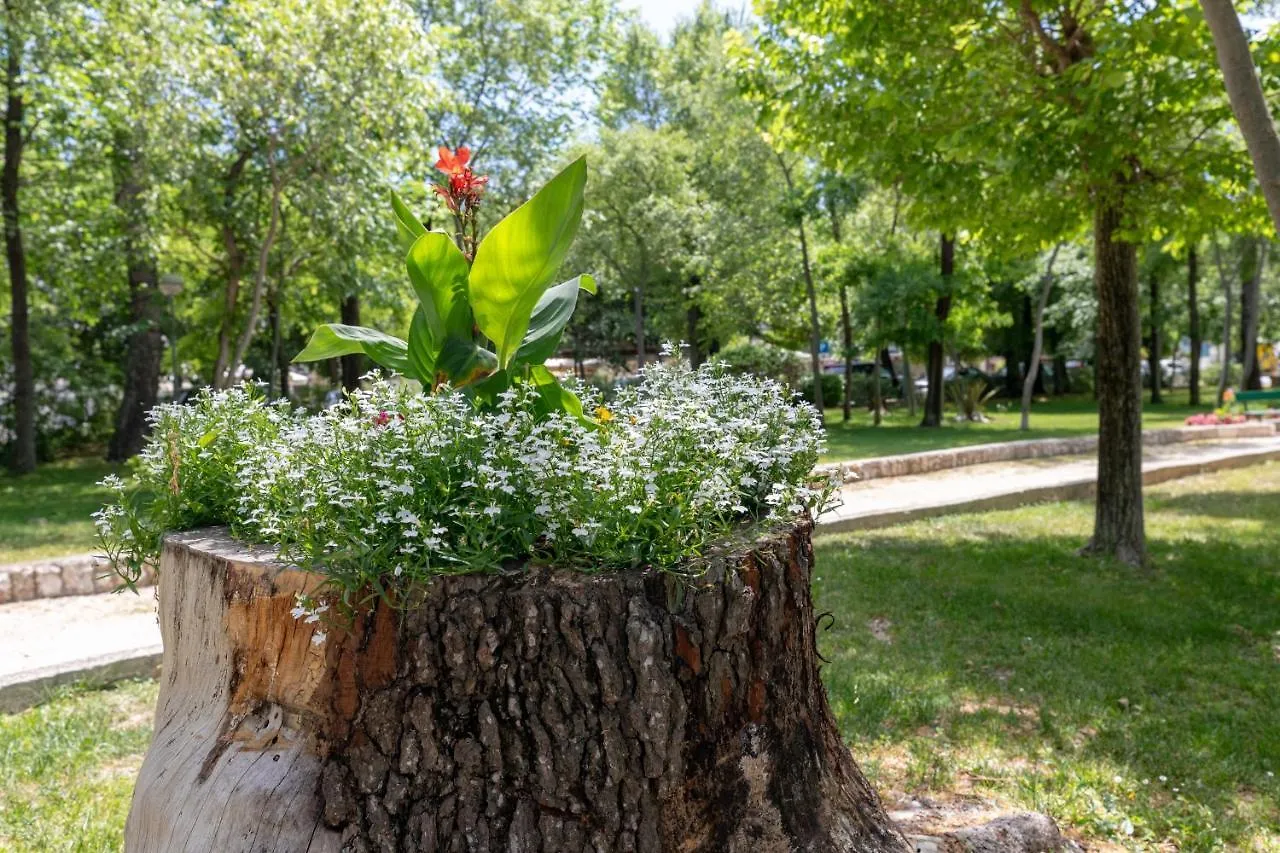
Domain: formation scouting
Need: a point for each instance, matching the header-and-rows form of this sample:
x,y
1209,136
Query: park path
x,y
47,642
1000,485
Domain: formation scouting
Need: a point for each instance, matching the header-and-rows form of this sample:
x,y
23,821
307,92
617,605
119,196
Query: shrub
x,y
393,486
764,360
832,389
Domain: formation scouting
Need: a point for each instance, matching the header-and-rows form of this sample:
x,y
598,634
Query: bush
x,y
1211,373
766,361
832,389
392,486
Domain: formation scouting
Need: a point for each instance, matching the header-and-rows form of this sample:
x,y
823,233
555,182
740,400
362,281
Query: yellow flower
x,y
603,415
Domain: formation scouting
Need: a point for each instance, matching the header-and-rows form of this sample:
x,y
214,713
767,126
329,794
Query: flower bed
x,y
1214,419
394,486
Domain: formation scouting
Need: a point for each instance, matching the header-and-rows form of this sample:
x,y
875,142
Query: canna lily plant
x,y
488,315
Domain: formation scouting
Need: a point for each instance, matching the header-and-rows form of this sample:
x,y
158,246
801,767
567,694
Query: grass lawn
x,y
46,514
972,656
67,768
1054,417
1143,709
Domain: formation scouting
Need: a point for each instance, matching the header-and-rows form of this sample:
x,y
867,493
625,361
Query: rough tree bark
x,y
1118,522
933,369
533,711
1193,330
22,456
146,342
1153,351
1248,102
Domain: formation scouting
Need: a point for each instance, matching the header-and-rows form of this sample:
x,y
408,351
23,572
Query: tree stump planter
x,y
544,711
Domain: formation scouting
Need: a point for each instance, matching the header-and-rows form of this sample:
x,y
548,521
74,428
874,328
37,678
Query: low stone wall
x,y
1011,451
83,574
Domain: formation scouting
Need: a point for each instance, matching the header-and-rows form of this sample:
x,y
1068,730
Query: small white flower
x,y
318,638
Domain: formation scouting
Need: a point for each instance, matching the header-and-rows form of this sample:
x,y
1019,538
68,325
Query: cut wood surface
x,y
544,710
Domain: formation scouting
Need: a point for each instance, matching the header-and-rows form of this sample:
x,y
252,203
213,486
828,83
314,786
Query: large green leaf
x,y
462,362
408,227
549,318
334,339
423,351
520,256
438,270
554,397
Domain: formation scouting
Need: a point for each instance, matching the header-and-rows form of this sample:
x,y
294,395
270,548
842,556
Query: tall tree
x,y
1193,326
929,92
1247,99
22,457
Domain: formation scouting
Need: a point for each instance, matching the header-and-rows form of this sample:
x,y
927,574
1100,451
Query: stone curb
x,y
79,574
25,689
929,461
1081,488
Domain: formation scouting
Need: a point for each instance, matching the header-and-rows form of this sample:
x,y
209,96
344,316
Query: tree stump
x,y
543,711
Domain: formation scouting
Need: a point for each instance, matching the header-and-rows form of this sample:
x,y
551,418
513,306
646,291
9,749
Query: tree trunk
x,y
1061,378
1153,351
1250,291
1118,524
886,361
352,365
693,324
22,456
1027,339
234,271
933,396
877,396
1248,102
1033,368
1193,331
1224,376
146,311
543,710
260,274
637,295
815,327
846,347
908,382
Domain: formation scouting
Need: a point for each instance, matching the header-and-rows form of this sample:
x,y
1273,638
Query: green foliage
x,y
832,389
505,294
766,360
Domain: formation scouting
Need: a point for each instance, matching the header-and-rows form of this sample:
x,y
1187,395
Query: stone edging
x,y
1010,451
80,574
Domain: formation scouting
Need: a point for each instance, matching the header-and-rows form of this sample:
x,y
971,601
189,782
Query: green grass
x,y
46,513
1113,700
67,768
1011,669
1053,417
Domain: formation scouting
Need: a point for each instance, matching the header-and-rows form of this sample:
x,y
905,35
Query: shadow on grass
x,y
1003,636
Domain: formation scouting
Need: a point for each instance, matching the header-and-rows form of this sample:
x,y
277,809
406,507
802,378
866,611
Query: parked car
x,y
950,373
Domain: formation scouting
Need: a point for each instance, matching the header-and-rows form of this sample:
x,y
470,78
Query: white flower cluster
x,y
394,484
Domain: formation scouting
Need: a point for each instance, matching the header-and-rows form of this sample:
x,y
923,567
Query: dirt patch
x,y
881,628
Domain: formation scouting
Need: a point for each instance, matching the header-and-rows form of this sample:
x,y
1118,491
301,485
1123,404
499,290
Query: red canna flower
x,y
453,162
461,193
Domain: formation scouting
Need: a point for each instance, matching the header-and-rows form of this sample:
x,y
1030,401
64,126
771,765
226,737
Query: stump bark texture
x,y
544,711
